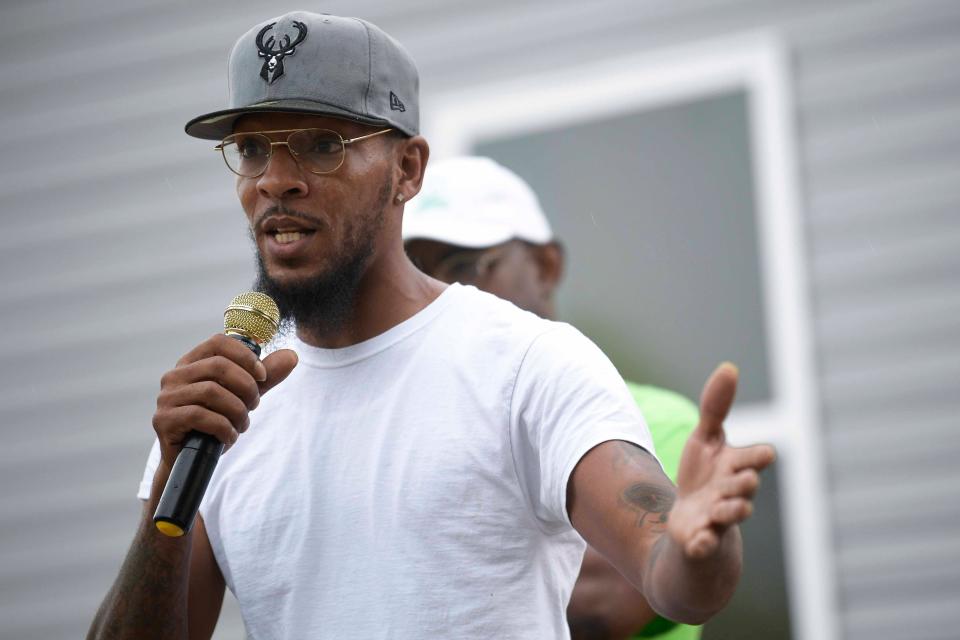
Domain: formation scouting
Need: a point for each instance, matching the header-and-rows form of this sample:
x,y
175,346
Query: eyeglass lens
x,y
317,150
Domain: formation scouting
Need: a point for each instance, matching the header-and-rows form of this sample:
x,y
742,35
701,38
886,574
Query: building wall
x,y
123,243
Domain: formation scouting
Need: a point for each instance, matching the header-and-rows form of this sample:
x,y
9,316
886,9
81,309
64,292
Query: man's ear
x,y
550,260
412,156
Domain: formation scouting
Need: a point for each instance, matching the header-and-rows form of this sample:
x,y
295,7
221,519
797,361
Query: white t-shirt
x,y
414,485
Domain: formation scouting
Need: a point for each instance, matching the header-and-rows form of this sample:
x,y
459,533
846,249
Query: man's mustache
x,y
277,210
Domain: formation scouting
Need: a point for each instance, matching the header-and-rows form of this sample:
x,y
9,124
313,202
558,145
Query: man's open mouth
x,y
286,229
286,236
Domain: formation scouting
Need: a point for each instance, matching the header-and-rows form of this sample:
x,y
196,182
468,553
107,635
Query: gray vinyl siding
x,y
122,242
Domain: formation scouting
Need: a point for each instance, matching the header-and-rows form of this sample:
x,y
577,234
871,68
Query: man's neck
x,y
391,291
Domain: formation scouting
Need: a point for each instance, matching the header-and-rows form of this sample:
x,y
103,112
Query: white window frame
x,y
755,62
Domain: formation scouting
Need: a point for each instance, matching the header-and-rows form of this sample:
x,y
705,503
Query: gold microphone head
x,y
253,315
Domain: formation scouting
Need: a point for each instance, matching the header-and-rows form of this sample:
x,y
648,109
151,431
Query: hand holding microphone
x,y
204,403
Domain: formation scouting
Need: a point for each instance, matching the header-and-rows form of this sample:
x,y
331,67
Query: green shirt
x,y
671,418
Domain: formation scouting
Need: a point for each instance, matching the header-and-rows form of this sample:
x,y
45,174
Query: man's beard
x,y
324,303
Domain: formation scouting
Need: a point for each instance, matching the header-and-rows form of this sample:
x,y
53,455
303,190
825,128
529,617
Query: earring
x,y
399,198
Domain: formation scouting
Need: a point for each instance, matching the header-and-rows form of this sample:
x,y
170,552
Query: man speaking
x,y
429,459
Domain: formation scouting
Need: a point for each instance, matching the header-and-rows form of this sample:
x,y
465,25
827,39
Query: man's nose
x,y
283,177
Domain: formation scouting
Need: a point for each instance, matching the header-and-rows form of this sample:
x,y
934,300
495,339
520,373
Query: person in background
x,y
477,223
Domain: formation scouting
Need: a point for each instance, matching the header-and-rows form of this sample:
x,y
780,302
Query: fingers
x,y
733,498
757,457
723,514
220,370
716,400
209,395
278,366
727,513
743,484
192,418
703,543
232,349
701,517
212,389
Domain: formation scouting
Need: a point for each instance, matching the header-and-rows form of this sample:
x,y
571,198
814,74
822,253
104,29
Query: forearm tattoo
x,y
650,500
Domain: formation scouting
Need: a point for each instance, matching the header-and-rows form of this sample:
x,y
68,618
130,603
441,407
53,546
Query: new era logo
x,y
395,104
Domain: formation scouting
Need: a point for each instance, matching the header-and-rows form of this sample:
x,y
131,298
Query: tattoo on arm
x,y
652,501
646,499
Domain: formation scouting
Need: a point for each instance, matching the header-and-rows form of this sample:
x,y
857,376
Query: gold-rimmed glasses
x,y
318,151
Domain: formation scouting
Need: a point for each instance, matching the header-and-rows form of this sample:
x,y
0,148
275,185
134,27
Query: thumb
x,y
278,364
716,400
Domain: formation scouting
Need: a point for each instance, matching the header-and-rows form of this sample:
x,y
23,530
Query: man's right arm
x,y
167,587
172,588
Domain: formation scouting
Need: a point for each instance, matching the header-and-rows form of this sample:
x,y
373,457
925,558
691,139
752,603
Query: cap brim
x,y
219,124
455,232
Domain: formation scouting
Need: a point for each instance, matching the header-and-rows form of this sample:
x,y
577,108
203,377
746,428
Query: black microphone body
x,y
190,475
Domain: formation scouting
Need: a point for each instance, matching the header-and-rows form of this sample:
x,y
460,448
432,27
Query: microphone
x,y
252,318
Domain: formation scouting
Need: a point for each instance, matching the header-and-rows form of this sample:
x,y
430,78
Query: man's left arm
x,y
679,546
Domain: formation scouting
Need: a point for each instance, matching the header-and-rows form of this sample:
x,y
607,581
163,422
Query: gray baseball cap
x,y
315,63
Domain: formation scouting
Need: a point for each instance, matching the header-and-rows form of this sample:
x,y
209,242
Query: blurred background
x,y
771,182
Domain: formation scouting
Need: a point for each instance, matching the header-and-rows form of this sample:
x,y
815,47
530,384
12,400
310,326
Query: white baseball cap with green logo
x,y
474,202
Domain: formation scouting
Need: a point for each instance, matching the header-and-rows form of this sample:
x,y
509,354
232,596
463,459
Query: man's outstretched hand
x,y
715,482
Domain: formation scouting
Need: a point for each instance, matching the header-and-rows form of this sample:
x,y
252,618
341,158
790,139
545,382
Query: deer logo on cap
x,y
273,63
